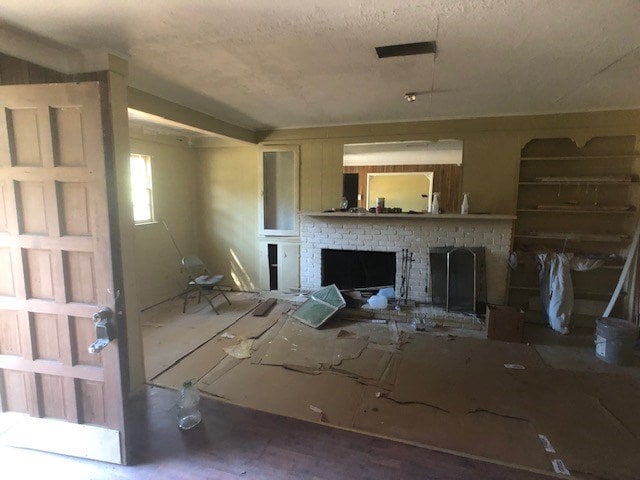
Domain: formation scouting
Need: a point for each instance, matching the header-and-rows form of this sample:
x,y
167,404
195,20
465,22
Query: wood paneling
x,y
6,281
14,71
91,400
32,214
46,336
24,148
3,208
81,277
39,274
82,332
66,130
14,391
52,395
9,333
447,179
73,198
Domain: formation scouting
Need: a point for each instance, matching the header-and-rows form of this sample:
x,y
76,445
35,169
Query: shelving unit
x,y
579,200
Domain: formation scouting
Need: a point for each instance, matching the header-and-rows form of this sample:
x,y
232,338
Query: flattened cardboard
x,y
195,365
166,345
278,390
250,326
485,435
583,415
296,345
463,374
223,367
370,364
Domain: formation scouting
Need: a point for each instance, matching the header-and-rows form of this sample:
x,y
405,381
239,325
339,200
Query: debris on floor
x,y
320,307
241,350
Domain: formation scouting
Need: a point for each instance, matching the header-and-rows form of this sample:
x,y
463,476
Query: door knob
x,y
104,329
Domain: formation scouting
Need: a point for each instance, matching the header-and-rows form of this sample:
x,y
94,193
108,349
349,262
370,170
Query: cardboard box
x,y
504,323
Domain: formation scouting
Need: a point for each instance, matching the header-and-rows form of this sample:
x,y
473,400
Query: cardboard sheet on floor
x,y
195,365
297,345
585,418
285,392
223,367
165,346
253,327
463,374
511,441
578,358
369,365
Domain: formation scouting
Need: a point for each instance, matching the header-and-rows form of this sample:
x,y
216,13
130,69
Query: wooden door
x,y
55,272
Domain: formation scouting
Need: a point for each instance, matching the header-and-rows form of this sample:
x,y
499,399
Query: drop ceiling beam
x,y
146,102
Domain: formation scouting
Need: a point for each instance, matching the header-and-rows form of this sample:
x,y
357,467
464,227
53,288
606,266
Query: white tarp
x,y
556,289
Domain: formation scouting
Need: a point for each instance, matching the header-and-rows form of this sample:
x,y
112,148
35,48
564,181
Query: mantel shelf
x,y
411,216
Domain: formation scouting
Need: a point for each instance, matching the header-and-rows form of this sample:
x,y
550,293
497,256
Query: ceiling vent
x,y
405,49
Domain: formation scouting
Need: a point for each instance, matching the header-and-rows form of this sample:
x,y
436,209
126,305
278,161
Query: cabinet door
x,y
279,196
288,266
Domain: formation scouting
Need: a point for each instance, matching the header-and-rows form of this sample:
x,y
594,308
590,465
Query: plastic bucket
x,y
615,339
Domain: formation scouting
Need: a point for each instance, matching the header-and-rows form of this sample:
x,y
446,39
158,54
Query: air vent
x,y
405,49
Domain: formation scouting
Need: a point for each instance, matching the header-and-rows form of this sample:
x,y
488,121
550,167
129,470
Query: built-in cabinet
x,y
280,190
279,247
581,201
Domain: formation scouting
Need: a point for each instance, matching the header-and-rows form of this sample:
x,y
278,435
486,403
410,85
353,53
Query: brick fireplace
x,y
418,233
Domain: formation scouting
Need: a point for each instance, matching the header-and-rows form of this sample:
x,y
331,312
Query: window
x,y
141,188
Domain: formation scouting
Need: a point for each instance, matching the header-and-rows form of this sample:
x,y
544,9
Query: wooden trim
x,y
47,306
74,243
48,367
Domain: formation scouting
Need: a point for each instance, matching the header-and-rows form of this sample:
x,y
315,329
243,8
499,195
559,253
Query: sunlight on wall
x,y
239,275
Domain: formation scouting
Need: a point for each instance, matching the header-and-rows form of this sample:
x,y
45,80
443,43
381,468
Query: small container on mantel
x,y
464,210
435,203
379,204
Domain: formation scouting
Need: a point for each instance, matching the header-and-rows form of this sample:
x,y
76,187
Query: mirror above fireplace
x,y
441,160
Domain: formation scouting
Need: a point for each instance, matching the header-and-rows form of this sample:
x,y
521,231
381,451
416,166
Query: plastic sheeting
x,y
556,289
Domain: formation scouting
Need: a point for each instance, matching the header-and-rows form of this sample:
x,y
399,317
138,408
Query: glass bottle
x,y
435,204
188,413
465,204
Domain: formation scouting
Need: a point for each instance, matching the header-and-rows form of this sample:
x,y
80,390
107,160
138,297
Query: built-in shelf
x,y
577,293
585,210
585,182
582,157
412,216
574,237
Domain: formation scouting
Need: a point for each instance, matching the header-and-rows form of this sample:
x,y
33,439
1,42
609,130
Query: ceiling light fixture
x,y
410,97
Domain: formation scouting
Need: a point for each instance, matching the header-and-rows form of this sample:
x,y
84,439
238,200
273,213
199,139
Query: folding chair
x,y
201,282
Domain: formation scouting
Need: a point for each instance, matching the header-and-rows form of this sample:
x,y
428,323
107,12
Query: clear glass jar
x,y
188,406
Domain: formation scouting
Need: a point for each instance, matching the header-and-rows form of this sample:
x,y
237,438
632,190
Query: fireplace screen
x,y
458,279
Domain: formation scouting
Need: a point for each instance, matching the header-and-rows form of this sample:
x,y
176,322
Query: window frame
x,y
148,180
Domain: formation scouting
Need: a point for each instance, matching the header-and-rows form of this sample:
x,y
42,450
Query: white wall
x,y
174,170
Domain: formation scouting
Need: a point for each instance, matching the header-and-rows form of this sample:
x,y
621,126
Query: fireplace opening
x,y
350,269
458,278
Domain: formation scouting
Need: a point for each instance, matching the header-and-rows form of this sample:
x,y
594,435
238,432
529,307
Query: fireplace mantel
x,y
411,216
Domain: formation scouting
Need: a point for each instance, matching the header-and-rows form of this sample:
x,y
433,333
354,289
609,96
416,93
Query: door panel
x,y
55,272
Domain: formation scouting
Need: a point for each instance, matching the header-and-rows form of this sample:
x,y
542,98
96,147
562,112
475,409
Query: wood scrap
x,y
264,308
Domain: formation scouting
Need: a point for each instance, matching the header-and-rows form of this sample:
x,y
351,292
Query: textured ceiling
x,y
291,63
